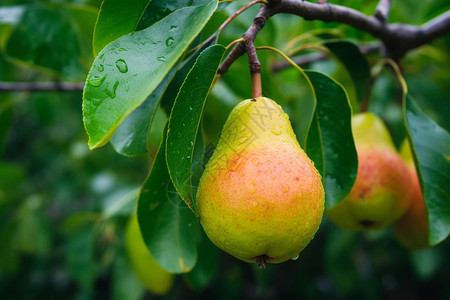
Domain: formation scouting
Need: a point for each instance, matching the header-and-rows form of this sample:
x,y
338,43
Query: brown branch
x,y
313,57
382,10
398,38
40,86
265,12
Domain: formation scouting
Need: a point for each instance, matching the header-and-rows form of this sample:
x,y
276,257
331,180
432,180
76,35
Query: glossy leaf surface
x,y
170,230
116,18
330,141
185,119
431,145
128,70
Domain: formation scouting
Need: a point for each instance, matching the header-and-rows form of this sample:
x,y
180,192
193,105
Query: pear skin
x,y
155,279
260,197
381,191
412,228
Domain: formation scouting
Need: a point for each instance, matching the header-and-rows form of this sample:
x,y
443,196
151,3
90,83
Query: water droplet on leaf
x,y
96,80
161,58
112,93
122,66
101,68
169,42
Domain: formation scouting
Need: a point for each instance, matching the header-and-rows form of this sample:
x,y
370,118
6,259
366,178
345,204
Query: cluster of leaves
x,y
130,75
153,83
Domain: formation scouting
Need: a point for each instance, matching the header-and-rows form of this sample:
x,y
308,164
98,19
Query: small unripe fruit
x,y
157,280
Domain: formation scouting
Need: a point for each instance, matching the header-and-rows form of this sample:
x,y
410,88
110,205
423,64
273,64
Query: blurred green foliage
x,y
63,208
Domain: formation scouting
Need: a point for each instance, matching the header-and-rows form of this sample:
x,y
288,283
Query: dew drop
x,y
122,66
234,164
112,93
170,40
285,188
96,80
101,68
122,49
161,58
173,27
276,130
295,257
252,188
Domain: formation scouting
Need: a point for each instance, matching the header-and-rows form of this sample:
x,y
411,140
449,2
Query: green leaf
x,y
116,18
355,63
128,70
158,9
330,141
47,38
169,229
85,17
185,119
431,148
206,267
131,137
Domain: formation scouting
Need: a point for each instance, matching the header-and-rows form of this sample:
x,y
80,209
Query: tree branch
x,y
313,57
265,12
398,38
40,86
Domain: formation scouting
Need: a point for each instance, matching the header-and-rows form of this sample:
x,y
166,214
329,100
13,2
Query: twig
x,y
313,57
249,36
398,38
382,10
41,86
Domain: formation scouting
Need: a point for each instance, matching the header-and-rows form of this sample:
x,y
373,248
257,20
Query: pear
x,y
412,228
155,279
260,197
380,194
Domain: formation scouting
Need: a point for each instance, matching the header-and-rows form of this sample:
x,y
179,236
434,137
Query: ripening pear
x,y
412,228
260,197
156,280
381,191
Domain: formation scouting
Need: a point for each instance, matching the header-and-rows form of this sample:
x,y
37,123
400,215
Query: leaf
x,y
130,68
431,148
131,136
356,64
116,18
169,229
185,119
46,38
158,9
206,267
85,17
330,141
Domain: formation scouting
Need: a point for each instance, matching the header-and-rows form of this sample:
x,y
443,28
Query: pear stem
x,y
256,85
